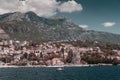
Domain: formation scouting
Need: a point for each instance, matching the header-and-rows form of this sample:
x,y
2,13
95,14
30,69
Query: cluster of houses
x,y
21,53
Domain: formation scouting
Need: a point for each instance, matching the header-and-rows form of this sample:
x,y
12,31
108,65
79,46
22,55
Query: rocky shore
x,y
40,66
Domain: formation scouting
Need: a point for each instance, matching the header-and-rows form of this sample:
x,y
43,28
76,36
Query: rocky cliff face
x,y
29,26
3,34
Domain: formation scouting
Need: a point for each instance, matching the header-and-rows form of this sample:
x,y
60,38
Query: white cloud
x,y
3,11
83,26
41,7
70,6
108,24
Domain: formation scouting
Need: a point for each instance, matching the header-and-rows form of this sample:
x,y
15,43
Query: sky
x,y
99,15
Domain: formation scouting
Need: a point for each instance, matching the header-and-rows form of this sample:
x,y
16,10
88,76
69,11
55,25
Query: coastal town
x,y
25,53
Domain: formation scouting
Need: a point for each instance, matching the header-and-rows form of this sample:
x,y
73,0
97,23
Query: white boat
x,y
59,69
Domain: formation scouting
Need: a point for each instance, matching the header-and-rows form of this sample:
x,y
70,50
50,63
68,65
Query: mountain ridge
x,y
29,26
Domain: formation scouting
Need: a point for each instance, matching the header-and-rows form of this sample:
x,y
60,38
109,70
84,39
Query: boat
x,y
59,69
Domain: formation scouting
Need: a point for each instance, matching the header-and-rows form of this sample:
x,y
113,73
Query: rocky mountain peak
x,y
19,16
16,16
61,18
31,13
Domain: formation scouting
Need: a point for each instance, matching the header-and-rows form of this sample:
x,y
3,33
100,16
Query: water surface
x,y
68,73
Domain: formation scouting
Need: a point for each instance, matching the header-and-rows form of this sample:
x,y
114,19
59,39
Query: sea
x,y
66,73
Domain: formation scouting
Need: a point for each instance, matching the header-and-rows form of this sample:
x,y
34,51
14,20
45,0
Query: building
x,y
57,61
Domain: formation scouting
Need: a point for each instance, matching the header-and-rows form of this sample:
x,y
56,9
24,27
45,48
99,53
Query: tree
x,y
70,56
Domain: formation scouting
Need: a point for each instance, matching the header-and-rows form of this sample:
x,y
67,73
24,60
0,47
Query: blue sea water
x,y
68,73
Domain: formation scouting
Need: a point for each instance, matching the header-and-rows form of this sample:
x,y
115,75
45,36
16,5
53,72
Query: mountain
x,y
29,26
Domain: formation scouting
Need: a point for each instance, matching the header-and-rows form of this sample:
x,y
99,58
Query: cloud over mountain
x,y
44,8
70,6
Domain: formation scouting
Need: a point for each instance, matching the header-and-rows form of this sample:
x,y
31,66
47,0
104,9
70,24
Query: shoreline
x,y
56,66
